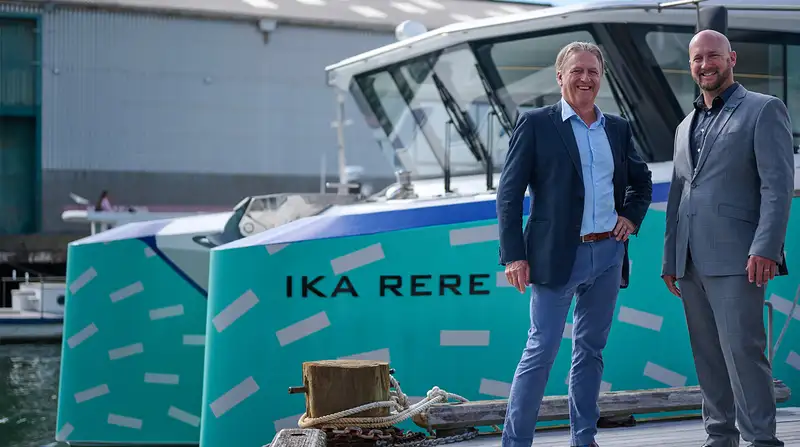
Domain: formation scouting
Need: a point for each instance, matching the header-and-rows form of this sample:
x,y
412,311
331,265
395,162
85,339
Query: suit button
x,y
694,185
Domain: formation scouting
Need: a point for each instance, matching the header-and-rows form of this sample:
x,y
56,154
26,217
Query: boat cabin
x,y
443,103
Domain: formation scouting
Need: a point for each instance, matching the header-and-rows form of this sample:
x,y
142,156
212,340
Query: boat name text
x,y
390,285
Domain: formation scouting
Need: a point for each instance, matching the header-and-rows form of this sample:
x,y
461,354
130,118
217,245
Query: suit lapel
x,y
565,130
616,143
719,123
617,152
684,137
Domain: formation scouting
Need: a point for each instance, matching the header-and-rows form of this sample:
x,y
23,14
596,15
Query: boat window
x,y
428,105
447,99
760,67
402,140
526,71
430,83
671,51
793,90
526,68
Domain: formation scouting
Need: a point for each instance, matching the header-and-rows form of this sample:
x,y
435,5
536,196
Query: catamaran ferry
x,y
182,345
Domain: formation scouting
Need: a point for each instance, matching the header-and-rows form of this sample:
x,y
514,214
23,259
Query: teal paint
x,y
18,111
247,355
405,330
171,348
5,14
17,180
21,173
18,41
38,211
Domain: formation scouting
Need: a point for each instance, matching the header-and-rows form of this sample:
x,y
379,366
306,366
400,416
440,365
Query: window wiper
x,y
494,101
462,122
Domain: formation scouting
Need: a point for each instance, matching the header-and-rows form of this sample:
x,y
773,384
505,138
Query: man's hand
x,y
672,284
761,269
623,229
517,274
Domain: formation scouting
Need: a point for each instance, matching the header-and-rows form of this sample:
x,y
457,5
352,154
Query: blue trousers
x,y
595,282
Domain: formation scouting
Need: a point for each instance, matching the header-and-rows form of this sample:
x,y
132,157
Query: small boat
x,y
36,314
102,220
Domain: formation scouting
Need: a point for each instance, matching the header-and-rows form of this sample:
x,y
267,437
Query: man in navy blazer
x,y
590,191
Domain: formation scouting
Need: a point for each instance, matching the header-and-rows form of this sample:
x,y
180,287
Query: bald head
x,y
710,37
711,61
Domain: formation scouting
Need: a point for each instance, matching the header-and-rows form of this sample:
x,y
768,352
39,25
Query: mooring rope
x,y
398,403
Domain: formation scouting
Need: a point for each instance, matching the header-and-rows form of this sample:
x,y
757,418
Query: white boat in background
x,y
36,313
100,221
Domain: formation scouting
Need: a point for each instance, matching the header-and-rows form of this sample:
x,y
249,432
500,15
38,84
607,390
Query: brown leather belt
x,y
594,237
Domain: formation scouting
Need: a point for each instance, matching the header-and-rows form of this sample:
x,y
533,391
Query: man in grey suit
x,y
727,213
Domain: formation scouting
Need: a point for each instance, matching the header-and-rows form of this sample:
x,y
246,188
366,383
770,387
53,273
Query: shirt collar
x,y
568,112
722,98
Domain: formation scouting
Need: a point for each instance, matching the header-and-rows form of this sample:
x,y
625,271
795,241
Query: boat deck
x,y
683,433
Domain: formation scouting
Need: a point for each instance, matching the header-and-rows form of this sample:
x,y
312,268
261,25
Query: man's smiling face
x,y
711,61
580,79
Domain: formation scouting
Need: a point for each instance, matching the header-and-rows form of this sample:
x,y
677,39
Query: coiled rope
x,y
400,410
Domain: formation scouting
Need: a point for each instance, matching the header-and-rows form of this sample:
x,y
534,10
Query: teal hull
x,y
257,337
133,349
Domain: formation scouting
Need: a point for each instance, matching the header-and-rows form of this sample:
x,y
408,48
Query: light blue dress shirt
x,y
597,165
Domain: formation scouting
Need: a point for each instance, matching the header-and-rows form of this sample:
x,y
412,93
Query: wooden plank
x,y
299,437
617,403
684,433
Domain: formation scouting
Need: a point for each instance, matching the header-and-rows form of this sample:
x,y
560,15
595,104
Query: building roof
x,y
381,14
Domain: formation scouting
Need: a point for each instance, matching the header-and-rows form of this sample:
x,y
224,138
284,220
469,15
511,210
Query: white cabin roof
x,y
783,17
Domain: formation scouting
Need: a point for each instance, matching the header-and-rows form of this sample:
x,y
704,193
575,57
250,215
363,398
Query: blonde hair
x,y
577,47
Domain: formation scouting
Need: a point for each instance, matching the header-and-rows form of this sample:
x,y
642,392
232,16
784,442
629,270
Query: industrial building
x,y
181,102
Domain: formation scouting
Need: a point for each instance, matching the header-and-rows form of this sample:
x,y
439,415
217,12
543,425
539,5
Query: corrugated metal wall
x,y
135,92
179,111
9,9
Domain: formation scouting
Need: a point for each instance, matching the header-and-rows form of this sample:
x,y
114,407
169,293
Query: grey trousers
x,y
725,317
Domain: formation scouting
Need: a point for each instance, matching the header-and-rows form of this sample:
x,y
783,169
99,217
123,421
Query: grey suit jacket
x,y
735,202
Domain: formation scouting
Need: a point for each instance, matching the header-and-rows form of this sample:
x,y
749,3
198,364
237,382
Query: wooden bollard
x,y
332,386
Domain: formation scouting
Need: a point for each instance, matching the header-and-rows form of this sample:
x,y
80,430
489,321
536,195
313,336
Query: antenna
x,y
408,29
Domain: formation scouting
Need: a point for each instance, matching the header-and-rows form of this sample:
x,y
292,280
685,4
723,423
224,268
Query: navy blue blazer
x,y
543,157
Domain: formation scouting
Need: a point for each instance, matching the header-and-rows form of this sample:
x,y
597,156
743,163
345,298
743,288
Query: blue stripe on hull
x,y
151,242
343,225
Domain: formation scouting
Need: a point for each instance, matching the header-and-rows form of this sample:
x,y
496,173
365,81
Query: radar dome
x,y
408,29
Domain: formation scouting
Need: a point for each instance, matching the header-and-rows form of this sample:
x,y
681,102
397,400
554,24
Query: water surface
x,y
28,394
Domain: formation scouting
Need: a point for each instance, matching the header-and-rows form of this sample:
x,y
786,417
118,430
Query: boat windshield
x,y
431,108
464,98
